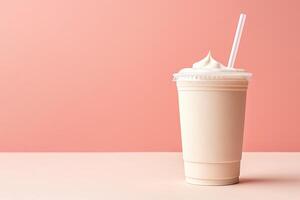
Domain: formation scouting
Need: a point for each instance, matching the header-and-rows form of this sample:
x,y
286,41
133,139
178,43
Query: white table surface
x,y
155,176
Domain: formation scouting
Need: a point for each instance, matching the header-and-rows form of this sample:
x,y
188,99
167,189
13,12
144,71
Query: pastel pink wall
x,y
96,75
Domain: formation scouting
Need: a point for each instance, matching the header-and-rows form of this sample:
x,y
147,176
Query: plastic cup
x,y
212,116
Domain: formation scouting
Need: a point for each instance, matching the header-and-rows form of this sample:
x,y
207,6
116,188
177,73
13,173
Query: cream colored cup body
x,y
212,116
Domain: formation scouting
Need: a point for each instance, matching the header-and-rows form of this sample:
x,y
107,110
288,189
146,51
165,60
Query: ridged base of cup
x,y
221,173
196,181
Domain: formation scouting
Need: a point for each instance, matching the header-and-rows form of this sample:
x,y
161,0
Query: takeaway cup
x,y
212,111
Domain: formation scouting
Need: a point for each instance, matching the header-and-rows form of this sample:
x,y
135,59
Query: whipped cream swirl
x,y
208,63
209,68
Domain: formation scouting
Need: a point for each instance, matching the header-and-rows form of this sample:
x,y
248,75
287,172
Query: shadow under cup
x,y
212,116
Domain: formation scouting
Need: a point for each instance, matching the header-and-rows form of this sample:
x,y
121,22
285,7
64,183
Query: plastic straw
x,y
236,40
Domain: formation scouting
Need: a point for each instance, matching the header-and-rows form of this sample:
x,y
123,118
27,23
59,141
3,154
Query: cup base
x,y
196,181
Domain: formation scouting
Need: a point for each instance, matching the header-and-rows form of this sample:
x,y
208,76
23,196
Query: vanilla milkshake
x,y
212,101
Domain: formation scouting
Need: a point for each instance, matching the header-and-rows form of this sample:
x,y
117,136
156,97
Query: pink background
x,y
96,75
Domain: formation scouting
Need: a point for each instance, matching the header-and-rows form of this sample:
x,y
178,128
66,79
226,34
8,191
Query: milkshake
x,y
212,101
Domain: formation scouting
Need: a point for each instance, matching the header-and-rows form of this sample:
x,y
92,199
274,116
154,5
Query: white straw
x,y
236,41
